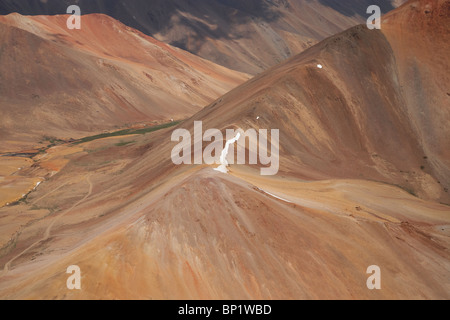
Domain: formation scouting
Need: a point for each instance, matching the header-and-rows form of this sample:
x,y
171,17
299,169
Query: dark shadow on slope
x,y
357,7
155,15
196,21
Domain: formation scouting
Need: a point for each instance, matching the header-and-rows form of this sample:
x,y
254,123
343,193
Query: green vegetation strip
x,y
124,143
127,132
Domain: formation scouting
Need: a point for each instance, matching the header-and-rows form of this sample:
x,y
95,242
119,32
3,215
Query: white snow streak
x,y
223,157
270,194
37,185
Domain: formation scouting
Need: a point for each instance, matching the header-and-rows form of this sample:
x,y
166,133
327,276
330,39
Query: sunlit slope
x,y
69,83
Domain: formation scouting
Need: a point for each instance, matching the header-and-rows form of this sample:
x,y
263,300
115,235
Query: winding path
x,y
48,230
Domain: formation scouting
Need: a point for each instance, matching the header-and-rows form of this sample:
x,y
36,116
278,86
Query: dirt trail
x,y
48,230
49,193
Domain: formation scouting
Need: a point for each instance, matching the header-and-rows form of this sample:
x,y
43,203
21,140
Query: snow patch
x,y
37,185
223,157
282,199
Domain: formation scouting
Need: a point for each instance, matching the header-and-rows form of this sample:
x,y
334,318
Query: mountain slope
x,y
377,110
248,36
66,84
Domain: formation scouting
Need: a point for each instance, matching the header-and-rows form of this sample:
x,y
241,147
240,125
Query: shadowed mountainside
x,y
248,36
